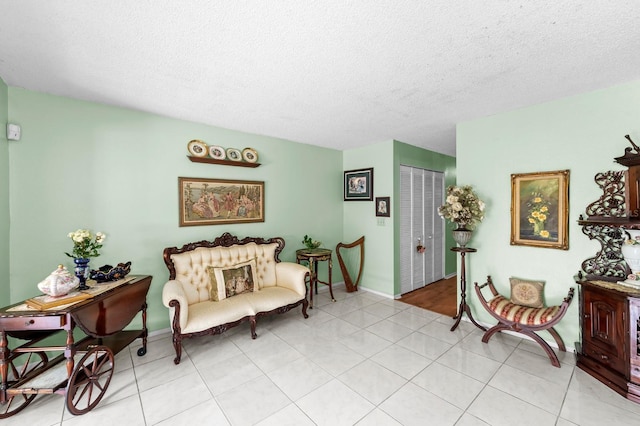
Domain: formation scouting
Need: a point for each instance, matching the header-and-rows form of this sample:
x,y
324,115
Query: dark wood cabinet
x,y
610,323
609,348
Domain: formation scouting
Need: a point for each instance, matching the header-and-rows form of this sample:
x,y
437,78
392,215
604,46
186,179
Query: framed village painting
x,y
220,201
540,209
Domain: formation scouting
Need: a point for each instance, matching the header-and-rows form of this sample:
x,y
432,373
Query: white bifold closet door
x,y
421,193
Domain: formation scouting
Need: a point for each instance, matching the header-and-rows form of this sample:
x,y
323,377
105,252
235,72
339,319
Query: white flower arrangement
x,y
85,244
462,206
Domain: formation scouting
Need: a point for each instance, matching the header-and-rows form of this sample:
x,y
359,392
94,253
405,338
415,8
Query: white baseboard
x,y
325,288
377,293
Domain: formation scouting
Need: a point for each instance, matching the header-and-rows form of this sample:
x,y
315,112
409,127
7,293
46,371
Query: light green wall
x,y
581,133
360,216
4,198
81,164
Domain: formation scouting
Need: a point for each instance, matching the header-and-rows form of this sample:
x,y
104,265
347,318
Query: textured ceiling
x,y
333,73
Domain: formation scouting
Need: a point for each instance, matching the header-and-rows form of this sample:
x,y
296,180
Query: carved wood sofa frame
x,y
524,328
225,240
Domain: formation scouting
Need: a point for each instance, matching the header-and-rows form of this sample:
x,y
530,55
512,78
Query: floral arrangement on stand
x,y
462,207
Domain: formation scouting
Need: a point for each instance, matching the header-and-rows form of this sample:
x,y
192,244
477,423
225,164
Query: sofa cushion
x,y
522,314
232,280
217,292
204,315
270,298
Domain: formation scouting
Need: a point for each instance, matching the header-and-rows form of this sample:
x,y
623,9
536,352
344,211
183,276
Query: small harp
x,y
351,259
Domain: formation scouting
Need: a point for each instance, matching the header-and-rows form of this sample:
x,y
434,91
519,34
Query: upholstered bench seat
x,y
522,314
528,316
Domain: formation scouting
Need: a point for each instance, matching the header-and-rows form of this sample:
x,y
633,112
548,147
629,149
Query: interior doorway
x,y
421,193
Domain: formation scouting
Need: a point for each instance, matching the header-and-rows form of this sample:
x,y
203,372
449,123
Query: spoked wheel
x,y
89,381
19,367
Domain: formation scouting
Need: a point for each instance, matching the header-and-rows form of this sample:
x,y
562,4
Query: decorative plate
x,y
217,152
250,155
233,154
198,148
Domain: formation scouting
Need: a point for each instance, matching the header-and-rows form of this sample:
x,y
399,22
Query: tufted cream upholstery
x,y
281,284
191,267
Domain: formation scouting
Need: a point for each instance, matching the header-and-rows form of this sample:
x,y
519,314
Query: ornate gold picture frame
x,y
540,209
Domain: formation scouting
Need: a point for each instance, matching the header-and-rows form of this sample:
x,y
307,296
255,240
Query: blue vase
x,y
82,272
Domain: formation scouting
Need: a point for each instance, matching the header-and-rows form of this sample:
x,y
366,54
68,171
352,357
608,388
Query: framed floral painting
x,y
220,201
540,209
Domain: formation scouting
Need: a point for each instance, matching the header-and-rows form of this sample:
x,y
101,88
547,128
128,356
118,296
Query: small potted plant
x,y
310,243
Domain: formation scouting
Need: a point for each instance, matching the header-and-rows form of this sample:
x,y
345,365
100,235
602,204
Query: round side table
x,y
312,257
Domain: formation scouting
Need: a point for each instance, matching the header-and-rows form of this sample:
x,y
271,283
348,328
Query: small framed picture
x,y
358,185
383,206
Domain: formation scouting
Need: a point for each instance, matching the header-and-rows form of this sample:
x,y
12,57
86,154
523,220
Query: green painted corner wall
x,y
382,262
581,133
86,165
359,217
4,197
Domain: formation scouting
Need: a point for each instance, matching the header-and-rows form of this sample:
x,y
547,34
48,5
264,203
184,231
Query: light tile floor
x,y
363,360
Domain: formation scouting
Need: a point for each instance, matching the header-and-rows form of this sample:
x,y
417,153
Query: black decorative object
x,y
110,273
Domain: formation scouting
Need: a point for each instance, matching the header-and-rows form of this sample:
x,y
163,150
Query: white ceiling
x,y
333,73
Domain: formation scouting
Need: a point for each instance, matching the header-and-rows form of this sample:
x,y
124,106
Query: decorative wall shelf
x,y
606,218
222,162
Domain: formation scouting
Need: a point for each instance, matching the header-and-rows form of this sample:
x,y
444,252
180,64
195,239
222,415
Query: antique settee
x,y
216,285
